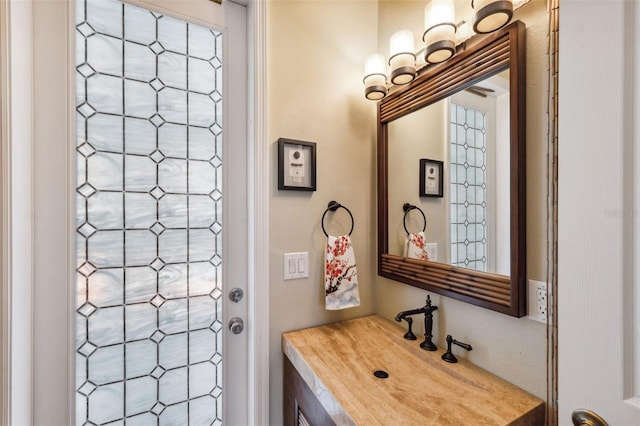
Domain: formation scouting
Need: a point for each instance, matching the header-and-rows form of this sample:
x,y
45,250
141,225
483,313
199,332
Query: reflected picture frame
x,y
431,178
296,165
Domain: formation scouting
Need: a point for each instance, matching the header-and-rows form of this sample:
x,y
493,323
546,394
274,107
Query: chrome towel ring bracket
x,y
333,206
407,208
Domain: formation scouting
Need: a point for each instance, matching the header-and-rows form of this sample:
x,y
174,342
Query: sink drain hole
x,y
381,374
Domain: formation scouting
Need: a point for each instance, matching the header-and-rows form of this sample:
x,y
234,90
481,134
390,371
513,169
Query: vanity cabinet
x,y
301,407
329,378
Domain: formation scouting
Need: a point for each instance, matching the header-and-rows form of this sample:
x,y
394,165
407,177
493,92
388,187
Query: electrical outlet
x,y
537,301
541,301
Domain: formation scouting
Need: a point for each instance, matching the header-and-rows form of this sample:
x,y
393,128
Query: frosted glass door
x,y
149,325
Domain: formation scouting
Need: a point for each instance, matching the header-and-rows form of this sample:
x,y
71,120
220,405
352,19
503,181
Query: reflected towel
x,y
340,276
414,247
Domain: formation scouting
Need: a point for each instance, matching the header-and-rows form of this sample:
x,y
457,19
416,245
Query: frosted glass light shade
x,y
375,78
375,64
439,12
491,15
440,31
402,59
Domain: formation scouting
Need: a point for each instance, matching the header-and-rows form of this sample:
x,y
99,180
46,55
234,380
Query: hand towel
x,y
340,276
414,247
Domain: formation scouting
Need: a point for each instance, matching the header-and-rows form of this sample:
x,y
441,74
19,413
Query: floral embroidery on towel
x,y
341,279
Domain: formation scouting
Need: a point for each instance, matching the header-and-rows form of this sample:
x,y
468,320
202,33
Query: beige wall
x,y
316,52
316,55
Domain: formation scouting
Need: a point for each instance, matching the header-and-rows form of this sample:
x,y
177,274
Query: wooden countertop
x,y
337,362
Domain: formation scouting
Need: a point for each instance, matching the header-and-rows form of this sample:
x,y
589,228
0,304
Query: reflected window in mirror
x,y
479,176
468,219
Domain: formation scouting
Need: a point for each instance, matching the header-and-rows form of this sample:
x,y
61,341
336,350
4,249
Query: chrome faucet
x,y
427,310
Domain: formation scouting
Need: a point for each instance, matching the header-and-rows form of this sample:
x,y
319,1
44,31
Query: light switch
x,y
296,265
432,251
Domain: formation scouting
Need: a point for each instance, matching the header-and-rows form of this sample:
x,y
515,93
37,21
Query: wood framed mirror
x,y
469,279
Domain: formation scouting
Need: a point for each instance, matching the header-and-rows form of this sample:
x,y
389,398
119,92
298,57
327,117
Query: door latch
x,y
236,325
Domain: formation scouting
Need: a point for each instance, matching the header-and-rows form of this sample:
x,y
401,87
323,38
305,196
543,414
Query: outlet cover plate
x,y
432,251
537,301
296,265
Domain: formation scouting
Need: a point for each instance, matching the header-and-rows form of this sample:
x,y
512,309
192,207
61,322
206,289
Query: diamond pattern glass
x,y
468,187
149,216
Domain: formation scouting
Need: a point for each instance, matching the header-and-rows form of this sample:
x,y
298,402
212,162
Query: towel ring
x,y
407,208
333,206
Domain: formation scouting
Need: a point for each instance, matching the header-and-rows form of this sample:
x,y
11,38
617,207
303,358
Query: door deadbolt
x,y
236,294
236,325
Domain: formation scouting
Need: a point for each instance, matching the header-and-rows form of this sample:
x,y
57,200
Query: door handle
x,y
584,417
236,325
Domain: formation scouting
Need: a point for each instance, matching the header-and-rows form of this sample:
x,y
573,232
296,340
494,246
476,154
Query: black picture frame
x,y
431,178
296,165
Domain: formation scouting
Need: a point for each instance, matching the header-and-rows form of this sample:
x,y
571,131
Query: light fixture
x,y
491,15
402,59
441,36
375,77
440,31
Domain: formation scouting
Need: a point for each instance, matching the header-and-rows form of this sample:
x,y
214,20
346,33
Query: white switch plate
x,y
296,265
432,251
537,301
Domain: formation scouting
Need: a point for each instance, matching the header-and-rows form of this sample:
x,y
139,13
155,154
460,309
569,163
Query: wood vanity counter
x,y
329,378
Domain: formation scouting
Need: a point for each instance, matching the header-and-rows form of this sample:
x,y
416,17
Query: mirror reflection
x,y
468,222
484,57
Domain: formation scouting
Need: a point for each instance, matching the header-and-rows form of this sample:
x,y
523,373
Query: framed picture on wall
x,y
431,178
296,165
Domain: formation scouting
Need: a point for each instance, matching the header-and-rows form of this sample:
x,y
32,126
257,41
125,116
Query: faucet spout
x,y
404,314
427,310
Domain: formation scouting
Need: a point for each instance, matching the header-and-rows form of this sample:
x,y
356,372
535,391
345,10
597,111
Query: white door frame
x,y
16,189
258,285
4,228
17,209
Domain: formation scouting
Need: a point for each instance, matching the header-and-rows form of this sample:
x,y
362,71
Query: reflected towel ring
x,y
407,208
333,206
